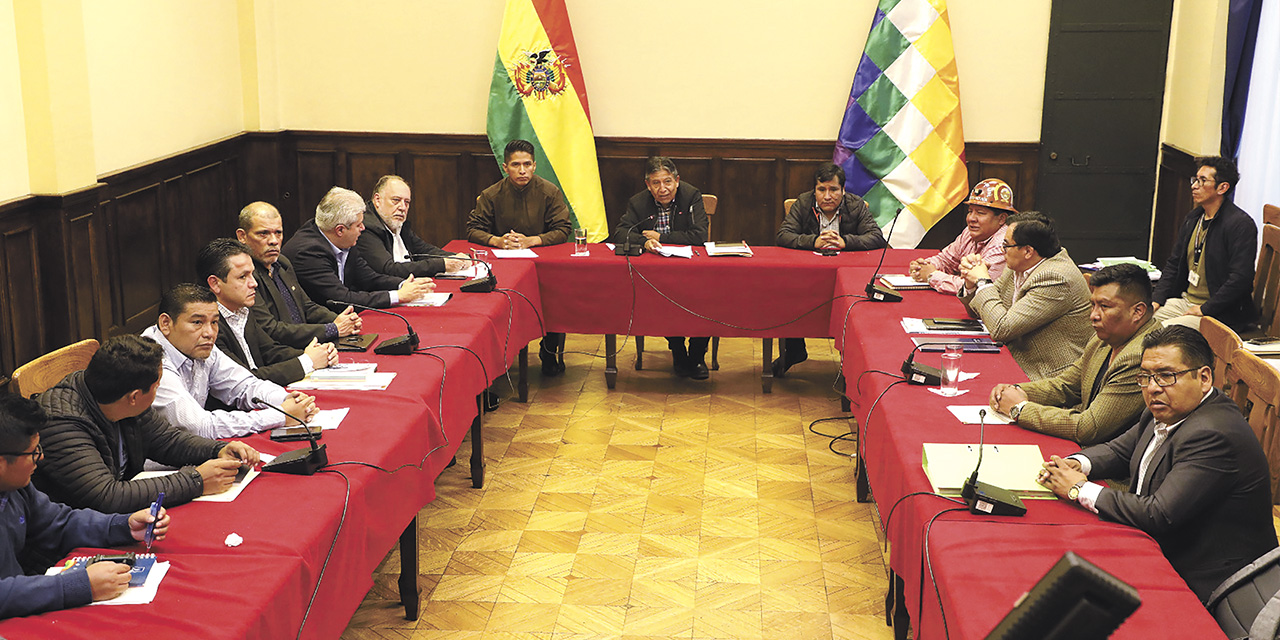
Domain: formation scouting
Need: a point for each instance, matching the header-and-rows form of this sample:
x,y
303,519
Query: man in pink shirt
x,y
990,204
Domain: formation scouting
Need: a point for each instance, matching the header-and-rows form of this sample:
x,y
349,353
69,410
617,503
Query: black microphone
x,y
877,292
299,462
480,284
397,346
985,499
625,249
917,373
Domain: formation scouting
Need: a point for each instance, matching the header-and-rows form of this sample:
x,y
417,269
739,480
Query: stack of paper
x,y
1013,467
133,595
345,372
675,251
900,281
917,325
739,249
433,299
377,381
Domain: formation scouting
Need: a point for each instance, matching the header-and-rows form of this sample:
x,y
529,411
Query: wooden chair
x,y
786,208
1224,343
1266,282
1262,401
49,369
1271,214
710,203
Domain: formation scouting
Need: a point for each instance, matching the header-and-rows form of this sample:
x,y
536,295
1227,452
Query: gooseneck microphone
x,y
626,248
985,499
878,292
397,346
480,284
299,462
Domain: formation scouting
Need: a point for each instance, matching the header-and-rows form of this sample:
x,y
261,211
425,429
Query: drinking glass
x,y
580,242
951,369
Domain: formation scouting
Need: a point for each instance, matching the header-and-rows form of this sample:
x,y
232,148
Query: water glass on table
x,y
951,369
580,242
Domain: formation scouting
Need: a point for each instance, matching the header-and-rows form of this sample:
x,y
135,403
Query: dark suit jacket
x,y
688,220
376,242
1208,501
317,270
858,227
276,362
272,314
1231,249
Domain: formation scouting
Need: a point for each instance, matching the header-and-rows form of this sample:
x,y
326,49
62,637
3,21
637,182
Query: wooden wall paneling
x,y
620,178
22,321
317,173
262,158
1173,200
748,195
364,170
137,247
438,212
74,267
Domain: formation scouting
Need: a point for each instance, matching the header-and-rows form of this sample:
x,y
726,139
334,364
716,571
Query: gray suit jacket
x,y
1047,327
1208,495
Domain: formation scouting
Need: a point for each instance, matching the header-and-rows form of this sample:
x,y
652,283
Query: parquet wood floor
x,y
667,508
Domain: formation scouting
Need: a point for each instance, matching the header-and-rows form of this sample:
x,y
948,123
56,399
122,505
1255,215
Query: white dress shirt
x,y
399,252
238,320
185,385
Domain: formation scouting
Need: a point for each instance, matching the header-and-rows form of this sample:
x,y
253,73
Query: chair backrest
x,y
709,203
786,208
1271,214
1224,343
1266,281
1246,605
49,369
1261,406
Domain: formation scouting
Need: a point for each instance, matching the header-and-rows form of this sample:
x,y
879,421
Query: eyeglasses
x,y
1202,181
1162,378
1008,246
36,454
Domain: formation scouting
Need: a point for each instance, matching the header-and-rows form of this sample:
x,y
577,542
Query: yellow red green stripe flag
x,y
538,94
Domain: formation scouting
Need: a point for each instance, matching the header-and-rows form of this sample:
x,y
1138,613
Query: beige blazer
x,y
1048,326
1065,406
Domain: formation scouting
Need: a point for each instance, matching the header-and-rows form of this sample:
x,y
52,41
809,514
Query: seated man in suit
x,y
329,264
523,211
1210,271
1039,306
224,264
825,218
990,204
387,244
1095,398
194,370
285,312
1198,479
101,429
35,528
668,211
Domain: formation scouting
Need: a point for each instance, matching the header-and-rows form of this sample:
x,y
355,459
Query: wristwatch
x,y
1074,492
982,282
1016,411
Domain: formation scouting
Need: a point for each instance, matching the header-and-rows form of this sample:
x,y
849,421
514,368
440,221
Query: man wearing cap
x,y
990,204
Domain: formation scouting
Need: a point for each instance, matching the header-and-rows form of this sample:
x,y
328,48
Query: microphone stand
x,y
299,462
877,292
626,249
480,284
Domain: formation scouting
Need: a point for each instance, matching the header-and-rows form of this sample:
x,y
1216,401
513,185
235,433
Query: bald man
x,y
284,311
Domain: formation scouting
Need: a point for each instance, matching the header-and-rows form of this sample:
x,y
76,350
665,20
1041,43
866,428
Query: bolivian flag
x,y
538,94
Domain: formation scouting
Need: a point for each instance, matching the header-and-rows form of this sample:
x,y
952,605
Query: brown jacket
x,y
537,210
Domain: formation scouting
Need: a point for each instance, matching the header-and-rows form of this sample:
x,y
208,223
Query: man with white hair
x,y
329,265
388,243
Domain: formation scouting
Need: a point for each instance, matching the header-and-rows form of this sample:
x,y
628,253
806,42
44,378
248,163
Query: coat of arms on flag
x,y
901,142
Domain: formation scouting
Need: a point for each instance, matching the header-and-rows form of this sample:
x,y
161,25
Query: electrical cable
x,y
946,631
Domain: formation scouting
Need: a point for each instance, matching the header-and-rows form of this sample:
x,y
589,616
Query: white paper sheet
x,y
968,414
514,253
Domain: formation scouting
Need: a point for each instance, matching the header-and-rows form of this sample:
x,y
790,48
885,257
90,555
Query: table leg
x,y
639,340
863,487
766,370
895,607
610,360
522,387
477,446
409,570
844,395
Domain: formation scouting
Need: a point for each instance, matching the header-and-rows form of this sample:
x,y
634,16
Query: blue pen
x,y
155,517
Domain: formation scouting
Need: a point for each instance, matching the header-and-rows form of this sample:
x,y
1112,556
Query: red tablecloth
x,y
262,588
892,436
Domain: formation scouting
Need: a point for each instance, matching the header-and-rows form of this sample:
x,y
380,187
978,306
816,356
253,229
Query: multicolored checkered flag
x,y
901,143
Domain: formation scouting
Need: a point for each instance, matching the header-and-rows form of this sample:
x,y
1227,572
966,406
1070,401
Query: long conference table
x,y
311,544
